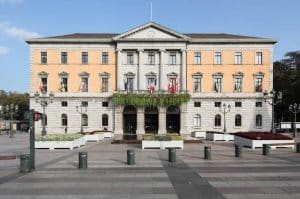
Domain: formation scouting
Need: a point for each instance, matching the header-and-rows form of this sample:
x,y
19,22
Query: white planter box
x,y
162,144
108,135
150,144
94,137
219,136
60,144
199,134
241,141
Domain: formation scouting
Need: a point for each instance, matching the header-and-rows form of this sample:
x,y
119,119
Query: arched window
x,y
218,120
197,120
84,118
64,120
258,120
238,120
104,120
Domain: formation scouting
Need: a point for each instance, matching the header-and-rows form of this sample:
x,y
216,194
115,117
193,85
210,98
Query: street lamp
x,y
81,111
44,101
294,108
226,109
12,109
276,97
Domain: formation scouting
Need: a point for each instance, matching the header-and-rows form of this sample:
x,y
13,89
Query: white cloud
x,y
13,31
11,1
3,50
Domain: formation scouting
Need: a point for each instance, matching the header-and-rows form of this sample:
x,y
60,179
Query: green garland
x,y
143,100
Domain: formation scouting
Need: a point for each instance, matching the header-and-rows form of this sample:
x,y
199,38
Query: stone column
x,y
183,70
162,120
119,62
183,120
140,122
139,68
118,122
161,62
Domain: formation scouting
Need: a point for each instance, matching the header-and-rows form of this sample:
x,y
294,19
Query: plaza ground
x,y
108,176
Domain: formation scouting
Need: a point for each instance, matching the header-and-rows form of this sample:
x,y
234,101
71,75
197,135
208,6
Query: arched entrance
x,y
129,122
173,119
151,120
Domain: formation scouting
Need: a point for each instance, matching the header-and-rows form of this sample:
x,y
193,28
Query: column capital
x,y
140,50
162,50
183,50
119,50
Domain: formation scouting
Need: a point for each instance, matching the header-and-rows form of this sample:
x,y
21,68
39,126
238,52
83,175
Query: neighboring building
x,y
86,69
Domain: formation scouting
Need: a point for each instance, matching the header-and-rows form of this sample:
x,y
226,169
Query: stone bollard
x,y
266,149
82,160
25,163
207,153
172,155
298,147
130,157
238,151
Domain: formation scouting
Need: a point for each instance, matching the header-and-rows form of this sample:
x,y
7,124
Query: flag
x,y
62,87
151,85
41,87
125,85
82,86
177,85
170,85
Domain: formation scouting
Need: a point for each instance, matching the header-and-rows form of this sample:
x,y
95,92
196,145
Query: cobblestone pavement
x,y
108,176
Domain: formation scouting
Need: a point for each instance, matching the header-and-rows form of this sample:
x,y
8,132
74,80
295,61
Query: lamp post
x,y
81,111
276,97
11,109
295,108
226,109
44,101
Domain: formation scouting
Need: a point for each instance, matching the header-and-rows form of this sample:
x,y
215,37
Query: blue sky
x,y
19,19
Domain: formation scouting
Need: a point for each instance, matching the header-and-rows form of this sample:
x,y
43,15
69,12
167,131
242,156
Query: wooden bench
x,y
282,145
8,157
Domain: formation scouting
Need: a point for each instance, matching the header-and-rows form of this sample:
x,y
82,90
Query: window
x,y
43,57
197,84
172,58
63,84
197,120
84,85
197,104
258,104
84,58
258,120
217,104
104,104
64,103
218,58
64,57
104,120
218,120
218,84
173,84
104,84
258,58
238,104
130,58
151,58
104,57
84,104
238,58
43,84
197,58
238,84
258,84
64,120
151,83
238,120
84,119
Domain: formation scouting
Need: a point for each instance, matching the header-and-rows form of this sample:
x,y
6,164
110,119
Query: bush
x,y
167,137
148,137
58,137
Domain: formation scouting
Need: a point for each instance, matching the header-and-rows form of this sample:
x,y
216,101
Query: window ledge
x,y
197,127
217,127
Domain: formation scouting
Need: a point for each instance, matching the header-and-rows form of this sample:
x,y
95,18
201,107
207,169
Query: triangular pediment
x,y
151,31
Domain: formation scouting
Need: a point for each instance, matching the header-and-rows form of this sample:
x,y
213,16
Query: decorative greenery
x,y
167,137
150,99
58,137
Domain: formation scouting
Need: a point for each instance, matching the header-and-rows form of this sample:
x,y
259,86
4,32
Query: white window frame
x,y
197,57
218,58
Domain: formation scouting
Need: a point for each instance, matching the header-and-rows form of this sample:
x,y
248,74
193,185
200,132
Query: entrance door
x,y
151,120
129,123
173,119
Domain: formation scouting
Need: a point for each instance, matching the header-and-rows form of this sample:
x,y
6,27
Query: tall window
x,y
258,120
258,84
258,58
84,103
43,57
151,83
218,84
84,85
104,120
104,57
130,58
104,84
84,119
63,84
197,58
218,58
218,120
128,84
197,84
84,58
64,57
172,58
238,120
64,120
44,84
151,58
197,120
238,84
238,58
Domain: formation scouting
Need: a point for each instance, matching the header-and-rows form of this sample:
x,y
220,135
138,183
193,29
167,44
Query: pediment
x,y
151,31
